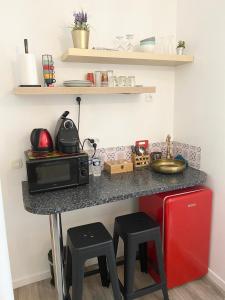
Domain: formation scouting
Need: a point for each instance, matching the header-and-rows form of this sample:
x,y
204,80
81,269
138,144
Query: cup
x,y
96,166
50,81
90,77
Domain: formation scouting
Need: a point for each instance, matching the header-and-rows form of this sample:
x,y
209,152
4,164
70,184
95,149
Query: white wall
x,y
6,290
200,105
115,120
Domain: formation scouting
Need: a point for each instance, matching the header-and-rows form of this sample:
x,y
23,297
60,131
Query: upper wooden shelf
x,y
124,57
83,90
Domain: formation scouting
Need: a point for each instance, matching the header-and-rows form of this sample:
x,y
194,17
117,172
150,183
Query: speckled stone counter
x,y
109,188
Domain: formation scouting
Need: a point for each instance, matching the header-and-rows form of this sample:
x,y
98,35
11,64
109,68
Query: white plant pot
x,y
180,51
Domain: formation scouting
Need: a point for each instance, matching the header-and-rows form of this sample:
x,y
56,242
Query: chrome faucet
x,y
168,147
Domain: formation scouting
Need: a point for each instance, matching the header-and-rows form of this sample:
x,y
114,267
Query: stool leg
x,y
68,270
161,267
103,271
77,279
115,240
143,257
113,273
130,251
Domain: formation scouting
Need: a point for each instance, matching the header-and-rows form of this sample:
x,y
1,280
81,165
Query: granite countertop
x,y
109,188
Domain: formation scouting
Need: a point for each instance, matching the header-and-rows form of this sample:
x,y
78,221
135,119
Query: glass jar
x,y
104,78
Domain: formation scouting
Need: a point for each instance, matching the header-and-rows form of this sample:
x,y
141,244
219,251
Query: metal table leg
x,y
57,254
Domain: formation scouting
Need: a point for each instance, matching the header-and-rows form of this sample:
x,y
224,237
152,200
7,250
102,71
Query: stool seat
x,y
88,235
85,242
136,230
135,223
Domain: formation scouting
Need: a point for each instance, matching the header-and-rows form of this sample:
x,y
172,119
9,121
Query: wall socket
x,y
148,98
17,164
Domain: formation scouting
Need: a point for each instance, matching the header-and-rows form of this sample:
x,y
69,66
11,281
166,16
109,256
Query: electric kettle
x,y
41,140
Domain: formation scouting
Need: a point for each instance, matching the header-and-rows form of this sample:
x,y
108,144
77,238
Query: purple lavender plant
x,y
80,21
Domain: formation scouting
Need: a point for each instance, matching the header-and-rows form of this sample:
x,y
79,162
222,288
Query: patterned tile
x,y
191,153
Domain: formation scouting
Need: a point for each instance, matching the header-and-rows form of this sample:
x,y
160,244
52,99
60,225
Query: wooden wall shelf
x,y
124,57
83,90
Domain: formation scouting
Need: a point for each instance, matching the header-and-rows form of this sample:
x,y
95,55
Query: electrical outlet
x,y
17,164
148,98
97,140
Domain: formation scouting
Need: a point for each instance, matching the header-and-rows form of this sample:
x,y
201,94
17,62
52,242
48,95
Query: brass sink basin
x,y
168,166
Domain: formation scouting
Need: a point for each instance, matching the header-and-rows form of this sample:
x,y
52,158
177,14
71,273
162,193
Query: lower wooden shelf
x,y
83,90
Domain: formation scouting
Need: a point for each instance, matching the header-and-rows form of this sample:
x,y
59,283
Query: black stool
x,y
85,242
136,230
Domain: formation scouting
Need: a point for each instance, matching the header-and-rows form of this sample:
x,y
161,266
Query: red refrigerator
x,y
185,218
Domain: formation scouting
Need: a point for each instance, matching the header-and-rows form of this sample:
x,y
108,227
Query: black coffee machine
x,y
66,135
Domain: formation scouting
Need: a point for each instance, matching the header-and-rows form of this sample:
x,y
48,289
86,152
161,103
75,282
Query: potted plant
x,y
180,47
80,31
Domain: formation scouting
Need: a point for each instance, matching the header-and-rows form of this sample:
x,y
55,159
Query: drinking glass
x,y
90,162
110,78
171,44
130,46
120,46
161,45
115,81
96,166
130,81
122,81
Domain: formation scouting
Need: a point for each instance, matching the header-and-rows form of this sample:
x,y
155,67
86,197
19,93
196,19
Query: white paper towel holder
x,y
28,69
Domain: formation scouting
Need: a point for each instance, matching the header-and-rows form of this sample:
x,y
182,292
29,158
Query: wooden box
x,y
140,160
118,166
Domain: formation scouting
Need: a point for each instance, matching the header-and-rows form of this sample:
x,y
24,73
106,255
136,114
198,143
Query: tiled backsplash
x,y
191,153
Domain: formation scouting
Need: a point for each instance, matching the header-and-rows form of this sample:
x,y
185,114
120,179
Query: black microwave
x,y
51,173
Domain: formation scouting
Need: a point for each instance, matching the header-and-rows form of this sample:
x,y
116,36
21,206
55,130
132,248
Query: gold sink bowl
x,y
168,166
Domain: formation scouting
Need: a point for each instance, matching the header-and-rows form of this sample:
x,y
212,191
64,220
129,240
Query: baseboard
x,y
216,279
31,279
45,275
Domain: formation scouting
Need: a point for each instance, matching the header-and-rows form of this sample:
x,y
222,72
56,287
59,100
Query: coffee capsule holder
x,y
48,70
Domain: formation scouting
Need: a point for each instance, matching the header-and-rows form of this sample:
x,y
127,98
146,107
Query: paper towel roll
x,y
27,69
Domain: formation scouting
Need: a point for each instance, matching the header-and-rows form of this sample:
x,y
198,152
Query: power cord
x,y
92,142
78,99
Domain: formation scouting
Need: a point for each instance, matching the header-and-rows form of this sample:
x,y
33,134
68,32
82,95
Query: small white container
x,y
180,51
98,78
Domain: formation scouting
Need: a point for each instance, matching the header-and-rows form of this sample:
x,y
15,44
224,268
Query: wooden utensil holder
x,y
140,161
